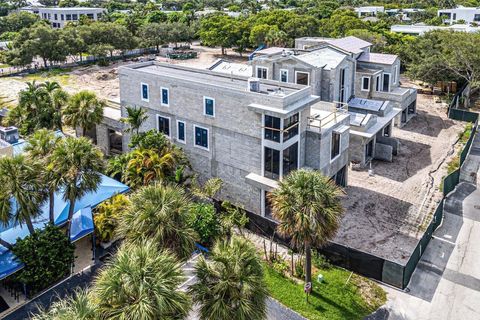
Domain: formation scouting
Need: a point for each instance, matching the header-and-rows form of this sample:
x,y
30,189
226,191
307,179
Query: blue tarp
x,y
82,222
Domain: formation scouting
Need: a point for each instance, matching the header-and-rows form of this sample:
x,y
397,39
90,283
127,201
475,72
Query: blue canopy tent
x,y
82,221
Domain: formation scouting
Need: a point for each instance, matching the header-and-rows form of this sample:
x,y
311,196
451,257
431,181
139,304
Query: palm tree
x,y
41,146
160,213
308,208
80,163
84,110
20,180
79,306
141,282
135,118
230,285
146,166
59,99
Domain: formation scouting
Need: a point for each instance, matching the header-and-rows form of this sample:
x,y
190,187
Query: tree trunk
x,y
45,63
81,58
51,208
223,51
308,264
84,131
70,216
6,244
30,225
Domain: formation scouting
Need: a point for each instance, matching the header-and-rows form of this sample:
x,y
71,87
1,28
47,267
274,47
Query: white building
x,y
370,11
59,17
467,14
403,14
420,29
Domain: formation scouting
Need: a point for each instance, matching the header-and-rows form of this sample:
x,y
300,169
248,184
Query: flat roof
x,y
366,104
72,8
188,74
235,68
381,58
326,57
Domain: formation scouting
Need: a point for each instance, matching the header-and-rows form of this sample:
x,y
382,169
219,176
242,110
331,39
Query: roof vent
x,y
254,85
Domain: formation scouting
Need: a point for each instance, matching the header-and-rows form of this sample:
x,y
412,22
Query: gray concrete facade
x,y
236,131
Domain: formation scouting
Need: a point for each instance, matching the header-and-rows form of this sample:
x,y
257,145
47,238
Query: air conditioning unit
x,y
9,134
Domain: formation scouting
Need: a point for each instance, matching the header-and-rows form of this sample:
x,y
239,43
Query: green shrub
x,y
280,266
48,256
151,139
106,217
299,269
321,262
204,221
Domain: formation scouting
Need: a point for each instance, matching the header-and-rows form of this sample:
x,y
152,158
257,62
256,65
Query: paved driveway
x,y
446,283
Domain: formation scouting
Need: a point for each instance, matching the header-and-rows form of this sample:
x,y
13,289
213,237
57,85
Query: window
x,y
272,128
165,97
68,17
290,159
181,131
290,127
284,75
74,17
454,16
90,16
342,85
302,78
386,82
365,84
272,163
377,84
262,72
201,137
209,106
144,87
163,125
55,17
335,145
61,17
99,15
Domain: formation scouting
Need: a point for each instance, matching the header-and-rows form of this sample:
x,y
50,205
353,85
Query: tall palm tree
x,y
79,306
230,284
59,99
79,162
41,146
135,118
84,110
308,208
20,180
160,213
141,282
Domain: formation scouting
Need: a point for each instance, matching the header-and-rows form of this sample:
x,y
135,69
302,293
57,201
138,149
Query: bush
x,y
106,217
299,269
151,139
280,266
204,221
321,262
48,256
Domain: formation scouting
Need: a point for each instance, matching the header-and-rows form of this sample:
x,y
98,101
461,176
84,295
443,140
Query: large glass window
x,y
165,96
201,137
290,127
272,163
284,75
290,159
386,82
365,83
209,105
144,92
335,147
272,128
262,73
68,17
74,17
302,78
164,125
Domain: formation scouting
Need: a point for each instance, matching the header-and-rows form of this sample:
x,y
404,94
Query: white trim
x,y
169,125
389,80
195,135
368,88
283,70
205,106
306,72
161,97
256,72
148,91
339,146
184,141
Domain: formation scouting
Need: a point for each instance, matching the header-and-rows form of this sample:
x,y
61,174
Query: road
x,y
446,283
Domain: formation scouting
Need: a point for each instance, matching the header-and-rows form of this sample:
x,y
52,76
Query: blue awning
x,y
82,224
9,264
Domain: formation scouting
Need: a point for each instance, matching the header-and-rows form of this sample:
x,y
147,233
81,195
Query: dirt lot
x,y
386,213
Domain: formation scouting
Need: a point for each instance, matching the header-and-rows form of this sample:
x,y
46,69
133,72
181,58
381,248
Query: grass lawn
x,y
332,299
59,75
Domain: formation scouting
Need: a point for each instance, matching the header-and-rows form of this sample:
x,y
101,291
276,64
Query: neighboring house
x,y
369,11
461,13
248,132
403,14
377,75
420,29
59,17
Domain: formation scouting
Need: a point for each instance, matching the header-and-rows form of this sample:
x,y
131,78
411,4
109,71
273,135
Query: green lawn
x,y
332,299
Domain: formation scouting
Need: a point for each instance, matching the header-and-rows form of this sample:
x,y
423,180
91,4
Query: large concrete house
x,y
460,13
59,16
249,132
